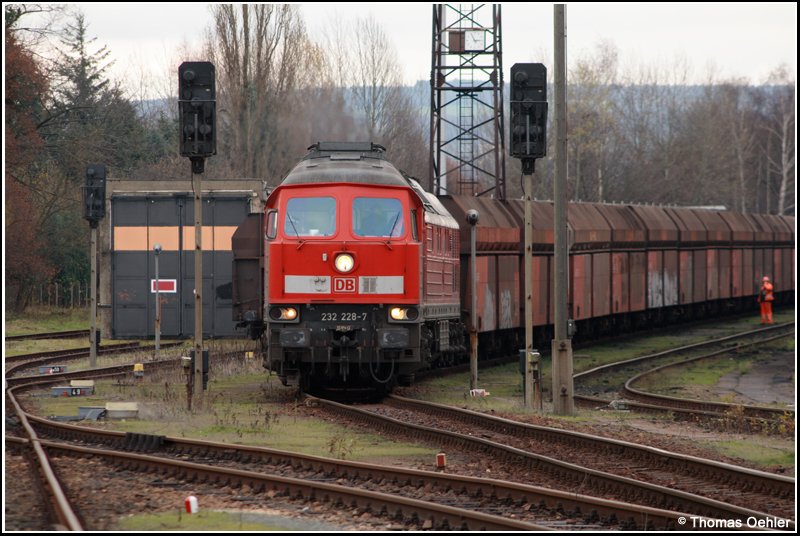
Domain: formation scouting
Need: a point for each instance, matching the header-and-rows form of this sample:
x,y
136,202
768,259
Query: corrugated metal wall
x,y
138,223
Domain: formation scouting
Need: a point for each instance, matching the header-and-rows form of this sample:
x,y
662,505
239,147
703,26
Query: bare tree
x,y
651,116
337,38
591,119
376,77
260,52
780,126
740,126
362,63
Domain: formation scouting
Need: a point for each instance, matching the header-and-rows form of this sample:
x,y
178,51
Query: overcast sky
x,y
732,40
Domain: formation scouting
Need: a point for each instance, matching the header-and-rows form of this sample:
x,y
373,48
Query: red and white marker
x,y
441,461
191,504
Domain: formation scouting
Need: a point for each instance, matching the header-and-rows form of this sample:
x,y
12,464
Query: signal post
x,y
198,121
94,205
528,141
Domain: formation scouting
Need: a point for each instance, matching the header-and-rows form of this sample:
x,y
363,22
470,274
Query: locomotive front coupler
x,y
344,342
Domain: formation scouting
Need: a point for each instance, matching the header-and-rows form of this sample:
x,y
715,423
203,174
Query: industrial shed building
x,y
141,214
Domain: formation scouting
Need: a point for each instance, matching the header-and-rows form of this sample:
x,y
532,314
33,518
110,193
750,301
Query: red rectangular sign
x,y
164,285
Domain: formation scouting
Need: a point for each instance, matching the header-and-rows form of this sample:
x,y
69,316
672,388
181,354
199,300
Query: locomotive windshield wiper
x,y
289,217
396,219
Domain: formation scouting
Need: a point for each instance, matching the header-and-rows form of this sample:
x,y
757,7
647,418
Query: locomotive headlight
x,y
344,262
285,314
403,313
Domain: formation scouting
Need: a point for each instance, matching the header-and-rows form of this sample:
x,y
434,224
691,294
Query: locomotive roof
x,y
362,163
354,162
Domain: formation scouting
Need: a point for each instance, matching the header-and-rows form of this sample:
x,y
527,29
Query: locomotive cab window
x,y
310,216
272,224
378,217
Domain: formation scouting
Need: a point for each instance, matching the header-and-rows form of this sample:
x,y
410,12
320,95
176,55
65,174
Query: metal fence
x,y
66,296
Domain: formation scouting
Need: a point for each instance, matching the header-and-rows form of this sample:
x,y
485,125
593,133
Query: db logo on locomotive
x,y
344,284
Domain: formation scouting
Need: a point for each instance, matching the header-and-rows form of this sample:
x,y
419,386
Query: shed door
x,y
139,224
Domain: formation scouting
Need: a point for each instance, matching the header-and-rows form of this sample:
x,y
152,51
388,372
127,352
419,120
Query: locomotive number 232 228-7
x,y
343,317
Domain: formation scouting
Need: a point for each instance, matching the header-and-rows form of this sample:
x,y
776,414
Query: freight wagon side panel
x,y
620,282
487,293
228,215
508,313
638,265
712,274
486,286
699,275
737,271
671,274
601,284
655,279
724,273
248,277
769,267
748,275
778,282
686,259
581,269
754,284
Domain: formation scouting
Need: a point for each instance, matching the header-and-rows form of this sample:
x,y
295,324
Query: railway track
x,y
520,507
704,406
546,507
418,513
21,363
74,334
413,511
60,510
17,363
631,371
24,492
729,492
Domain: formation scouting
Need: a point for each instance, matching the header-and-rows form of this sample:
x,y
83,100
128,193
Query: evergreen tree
x,y
85,87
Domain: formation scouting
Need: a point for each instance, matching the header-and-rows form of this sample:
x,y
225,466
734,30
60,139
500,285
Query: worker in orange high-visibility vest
x,y
765,298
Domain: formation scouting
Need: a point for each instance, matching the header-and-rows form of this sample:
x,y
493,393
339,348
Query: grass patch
x,y
242,406
44,319
66,405
704,373
44,345
767,453
502,382
602,354
204,520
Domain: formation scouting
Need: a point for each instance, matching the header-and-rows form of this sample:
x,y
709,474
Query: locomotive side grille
x,y
381,284
369,285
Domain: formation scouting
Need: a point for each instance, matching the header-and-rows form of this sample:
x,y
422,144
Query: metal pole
x,y
533,399
563,403
198,284
93,313
473,332
157,250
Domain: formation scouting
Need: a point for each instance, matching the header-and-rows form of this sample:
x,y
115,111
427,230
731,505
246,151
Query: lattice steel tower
x,y
467,130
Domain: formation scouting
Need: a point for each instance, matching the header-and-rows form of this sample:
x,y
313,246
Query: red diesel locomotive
x,y
354,277
360,267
